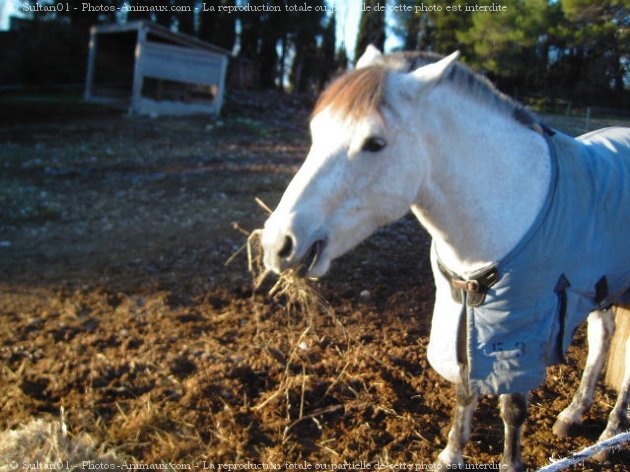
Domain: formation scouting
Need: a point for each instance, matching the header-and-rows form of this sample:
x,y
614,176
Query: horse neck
x,y
488,178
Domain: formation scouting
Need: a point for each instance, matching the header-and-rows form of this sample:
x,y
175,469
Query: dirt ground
x,y
116,304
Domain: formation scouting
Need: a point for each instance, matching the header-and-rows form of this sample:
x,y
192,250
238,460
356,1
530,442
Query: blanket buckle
x,y
470,285
473,289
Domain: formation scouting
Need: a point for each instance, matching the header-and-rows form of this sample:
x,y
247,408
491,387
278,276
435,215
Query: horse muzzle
x,y
284,250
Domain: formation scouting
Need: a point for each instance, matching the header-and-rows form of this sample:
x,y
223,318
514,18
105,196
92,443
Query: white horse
x,y
482,175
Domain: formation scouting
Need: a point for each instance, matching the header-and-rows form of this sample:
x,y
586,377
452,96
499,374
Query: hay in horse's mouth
x,y
299,291
292,283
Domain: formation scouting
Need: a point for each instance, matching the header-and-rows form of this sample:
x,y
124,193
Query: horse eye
x,y
373,144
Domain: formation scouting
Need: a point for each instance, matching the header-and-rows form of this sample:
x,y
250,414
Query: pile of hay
x,y
48,445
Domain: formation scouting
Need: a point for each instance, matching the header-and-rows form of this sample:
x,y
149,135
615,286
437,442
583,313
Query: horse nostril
x,y
287,247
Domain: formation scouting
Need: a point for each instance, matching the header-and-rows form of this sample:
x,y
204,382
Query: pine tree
x,y
446,24
186,19
371,26
307,61
341,58
327,63
218,27
510,45
598,38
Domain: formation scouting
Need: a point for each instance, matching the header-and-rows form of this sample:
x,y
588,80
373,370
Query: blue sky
x,y
5,10
348,13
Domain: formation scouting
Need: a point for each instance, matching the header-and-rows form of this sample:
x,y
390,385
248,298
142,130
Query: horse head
x,y
364,169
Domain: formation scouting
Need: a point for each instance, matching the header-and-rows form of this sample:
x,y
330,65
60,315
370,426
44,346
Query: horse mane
x,y
355,93
361,91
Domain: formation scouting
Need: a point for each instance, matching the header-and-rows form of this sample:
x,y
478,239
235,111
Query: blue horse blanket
x,y
574,259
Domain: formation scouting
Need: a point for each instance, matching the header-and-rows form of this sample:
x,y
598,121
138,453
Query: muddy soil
x,y
117,306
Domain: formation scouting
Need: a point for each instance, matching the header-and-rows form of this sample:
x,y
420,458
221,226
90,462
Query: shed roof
x,y
162,32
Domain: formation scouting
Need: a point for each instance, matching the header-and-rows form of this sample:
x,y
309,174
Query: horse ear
x,y
370,57
431,74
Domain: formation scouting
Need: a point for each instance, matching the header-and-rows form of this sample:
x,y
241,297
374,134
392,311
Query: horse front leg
x,y
458,436
601,325
513,413
618,418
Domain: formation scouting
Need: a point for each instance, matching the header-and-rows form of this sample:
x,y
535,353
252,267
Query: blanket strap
x,y
475,287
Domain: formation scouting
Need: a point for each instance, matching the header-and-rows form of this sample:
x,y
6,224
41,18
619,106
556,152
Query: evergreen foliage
x,y
371,26
574,49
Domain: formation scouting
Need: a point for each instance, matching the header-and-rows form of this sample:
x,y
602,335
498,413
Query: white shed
x,y
150,69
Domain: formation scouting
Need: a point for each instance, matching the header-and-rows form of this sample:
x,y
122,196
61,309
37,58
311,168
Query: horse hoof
x,y
563,429
605,454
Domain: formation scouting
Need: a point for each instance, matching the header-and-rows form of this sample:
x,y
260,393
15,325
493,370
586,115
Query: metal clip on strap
x,y
466,285
475,287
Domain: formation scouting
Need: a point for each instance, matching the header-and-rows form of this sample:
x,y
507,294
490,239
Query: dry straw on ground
x,y
41,442
300,299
